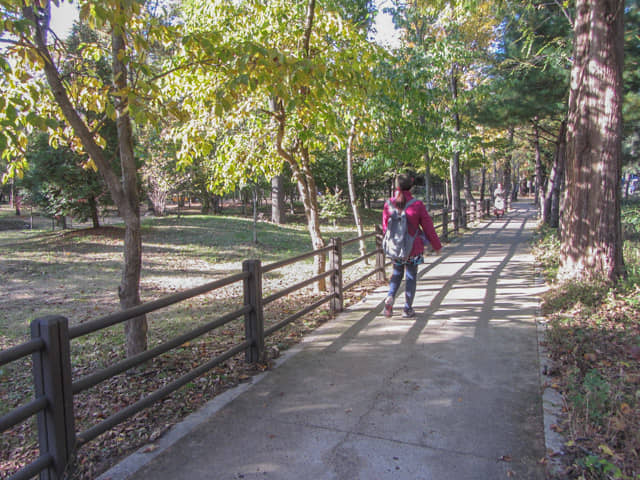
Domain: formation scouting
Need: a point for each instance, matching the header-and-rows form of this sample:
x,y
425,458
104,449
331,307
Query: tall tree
x,y
529,78
130,95
455,36
591,232
269,84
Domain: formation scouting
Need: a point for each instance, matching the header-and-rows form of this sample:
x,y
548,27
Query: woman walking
x,y
420,226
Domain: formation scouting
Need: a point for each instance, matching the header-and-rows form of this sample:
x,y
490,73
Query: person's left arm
x,y
427,227
385,217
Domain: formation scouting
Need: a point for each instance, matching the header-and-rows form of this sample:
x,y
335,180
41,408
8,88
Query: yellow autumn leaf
x,y
606,450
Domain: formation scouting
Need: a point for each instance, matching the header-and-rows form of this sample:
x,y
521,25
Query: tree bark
x,y
468,196
309,194
93,206
129,290
352,189
300,167
551,210
427,180
538,180
506,171
254,201
454,165
277,199
591,238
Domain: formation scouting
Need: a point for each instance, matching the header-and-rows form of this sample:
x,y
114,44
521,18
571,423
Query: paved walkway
x,y
451,394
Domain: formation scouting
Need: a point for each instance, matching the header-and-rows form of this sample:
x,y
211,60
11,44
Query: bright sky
x,y
386,34
62,19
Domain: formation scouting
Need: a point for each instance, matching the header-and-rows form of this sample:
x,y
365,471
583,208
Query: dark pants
x,y
410,288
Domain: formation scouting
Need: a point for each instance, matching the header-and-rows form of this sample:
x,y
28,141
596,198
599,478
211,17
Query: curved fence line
x,y
51,337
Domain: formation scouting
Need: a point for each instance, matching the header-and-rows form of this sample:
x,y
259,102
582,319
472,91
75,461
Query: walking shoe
x,y
408,313
388,307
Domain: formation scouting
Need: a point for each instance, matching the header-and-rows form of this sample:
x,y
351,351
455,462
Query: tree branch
x,y
61,96
306,39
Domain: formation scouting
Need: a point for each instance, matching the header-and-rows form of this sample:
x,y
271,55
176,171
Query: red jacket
x,y
416,216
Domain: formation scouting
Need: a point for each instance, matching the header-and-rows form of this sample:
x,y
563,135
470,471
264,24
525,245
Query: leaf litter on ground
x,y
77,276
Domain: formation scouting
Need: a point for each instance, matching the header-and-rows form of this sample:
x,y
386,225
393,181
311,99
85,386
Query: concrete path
x,y
451,394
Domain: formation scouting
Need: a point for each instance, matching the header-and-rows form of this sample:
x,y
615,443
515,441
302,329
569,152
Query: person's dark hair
x,y
404,182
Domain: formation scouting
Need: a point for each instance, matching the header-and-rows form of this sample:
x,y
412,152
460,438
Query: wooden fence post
x,y
52,379
381,275
445,224
335,263
254,320
465,214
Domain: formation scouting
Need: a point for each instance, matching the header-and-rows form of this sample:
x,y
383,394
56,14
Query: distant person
x,y
498,201
420,227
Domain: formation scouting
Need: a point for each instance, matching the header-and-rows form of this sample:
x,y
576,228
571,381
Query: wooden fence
x,y
51,336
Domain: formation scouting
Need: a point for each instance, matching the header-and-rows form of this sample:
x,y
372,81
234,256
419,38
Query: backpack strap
x,y
406,205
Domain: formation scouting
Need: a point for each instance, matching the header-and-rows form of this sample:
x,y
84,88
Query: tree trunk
x,y
95,217
454,165
300,162
277,200
292,202
11,192
307,189
506,171
514,182
538,180
556,199
494,177
129,290
309,193
447,197
427,180
468,196
591,238
352,189
551,210
254,199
